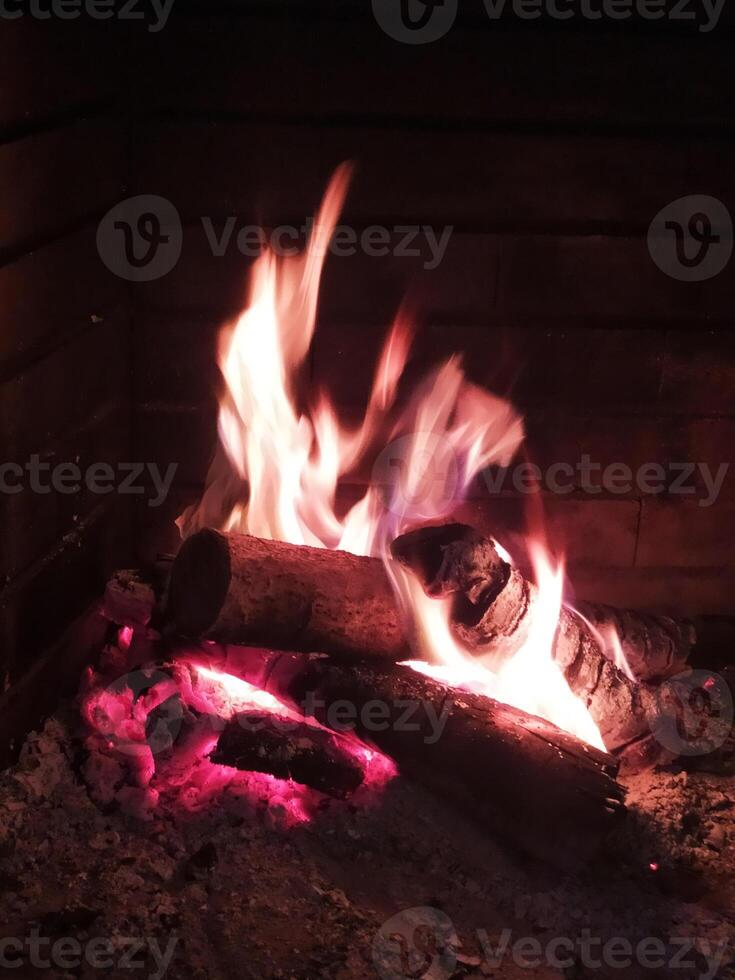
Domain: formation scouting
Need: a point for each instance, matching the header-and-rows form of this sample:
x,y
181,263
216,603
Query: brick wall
x,y
549,151
64,376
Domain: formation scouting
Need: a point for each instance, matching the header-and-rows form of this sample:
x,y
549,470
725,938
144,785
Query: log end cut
x,y
200,580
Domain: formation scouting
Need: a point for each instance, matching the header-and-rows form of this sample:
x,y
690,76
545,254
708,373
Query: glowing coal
x,y
152,730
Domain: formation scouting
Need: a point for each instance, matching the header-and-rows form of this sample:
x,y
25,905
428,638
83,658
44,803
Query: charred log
x,y
491,603
653,647
259,741
523,778
492,607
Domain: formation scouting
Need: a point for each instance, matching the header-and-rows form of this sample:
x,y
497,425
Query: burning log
x,y
235,588
652,647
492,606
520,776
492,603
241,589
259,741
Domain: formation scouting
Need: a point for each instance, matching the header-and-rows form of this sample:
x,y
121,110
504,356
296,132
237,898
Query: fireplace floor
x,y
246,897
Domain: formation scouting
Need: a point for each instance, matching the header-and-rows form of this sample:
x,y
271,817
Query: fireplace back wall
x,y
64,369
548,152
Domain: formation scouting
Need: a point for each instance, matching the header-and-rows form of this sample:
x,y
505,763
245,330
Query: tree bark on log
x,y
236,588
654,647
520,776
259,741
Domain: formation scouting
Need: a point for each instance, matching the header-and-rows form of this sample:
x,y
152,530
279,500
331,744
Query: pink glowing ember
x,y
124,637
137,718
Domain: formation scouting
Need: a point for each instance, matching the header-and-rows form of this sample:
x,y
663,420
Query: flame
x,y
609,641
530,679
236,694
279,464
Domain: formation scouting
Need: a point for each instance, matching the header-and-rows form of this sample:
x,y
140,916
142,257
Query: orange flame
x,y
277,469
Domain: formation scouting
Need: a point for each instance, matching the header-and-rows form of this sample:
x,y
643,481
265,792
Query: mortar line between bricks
x,y
637,533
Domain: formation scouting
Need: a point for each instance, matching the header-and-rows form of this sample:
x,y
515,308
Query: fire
x,y
609,640
231,694
529,680
235,694
279,464
129,745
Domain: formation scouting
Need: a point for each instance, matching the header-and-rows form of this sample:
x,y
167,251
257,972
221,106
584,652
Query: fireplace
x,y
342,368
